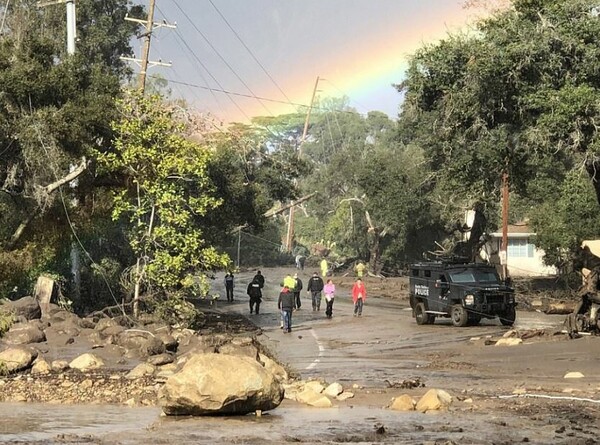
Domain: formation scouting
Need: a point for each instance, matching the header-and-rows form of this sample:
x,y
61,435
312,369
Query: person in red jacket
x,y
359,295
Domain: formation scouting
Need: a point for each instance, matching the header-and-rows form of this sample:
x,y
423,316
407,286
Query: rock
x,y
66,327
220,384
333,390
574,375
509,342
86,361
104,323
274,368
434,400
403,403
511,333
112,331
22,334
242,350
314,386
345,396
27,307
40,366
313,398
141,370
168,340
142,342
59,365
17,359
86,323
167,370
161,359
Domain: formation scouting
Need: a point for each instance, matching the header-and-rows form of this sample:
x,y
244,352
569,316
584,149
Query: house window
x,y
520,248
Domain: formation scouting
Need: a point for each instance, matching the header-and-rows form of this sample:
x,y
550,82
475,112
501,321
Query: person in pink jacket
x,y
359,295
329,291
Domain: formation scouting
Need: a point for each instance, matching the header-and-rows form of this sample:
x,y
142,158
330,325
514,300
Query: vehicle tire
x,y
459,316
421,316
508,318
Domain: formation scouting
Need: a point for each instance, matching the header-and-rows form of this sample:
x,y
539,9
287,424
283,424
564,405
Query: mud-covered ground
x,y
501,394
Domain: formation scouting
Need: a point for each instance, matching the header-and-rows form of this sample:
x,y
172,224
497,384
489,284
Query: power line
x,y
209,73
222,58
250,51
266,99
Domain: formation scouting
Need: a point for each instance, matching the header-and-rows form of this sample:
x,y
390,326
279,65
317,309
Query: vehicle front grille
x,y
494,299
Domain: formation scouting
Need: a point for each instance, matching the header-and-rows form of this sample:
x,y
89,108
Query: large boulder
x,y
26,307
16,359
86,361
24,333
141,342
211,384
434,400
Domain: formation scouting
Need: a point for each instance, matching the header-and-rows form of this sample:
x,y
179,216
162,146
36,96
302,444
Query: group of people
x,y
289,298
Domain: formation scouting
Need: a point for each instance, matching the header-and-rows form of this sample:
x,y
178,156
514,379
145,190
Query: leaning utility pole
x,y
71,22
150,25
290,232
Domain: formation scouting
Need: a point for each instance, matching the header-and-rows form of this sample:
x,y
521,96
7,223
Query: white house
x,y
523,258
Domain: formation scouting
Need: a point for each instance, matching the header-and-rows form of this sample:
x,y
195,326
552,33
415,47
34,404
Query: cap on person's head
x,y
295,275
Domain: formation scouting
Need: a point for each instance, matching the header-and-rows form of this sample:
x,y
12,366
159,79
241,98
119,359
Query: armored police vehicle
x,y
465,292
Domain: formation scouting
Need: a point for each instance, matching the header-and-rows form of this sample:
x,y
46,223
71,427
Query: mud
x,y
498,392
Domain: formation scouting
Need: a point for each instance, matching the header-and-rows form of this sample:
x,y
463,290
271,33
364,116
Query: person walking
x,y
359,295
315,287
229,285
360,269
324,267
285,304
297,289
329,290
260,278
255,293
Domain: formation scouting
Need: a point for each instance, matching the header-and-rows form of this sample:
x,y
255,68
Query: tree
x,y
167,187
54,111
519,95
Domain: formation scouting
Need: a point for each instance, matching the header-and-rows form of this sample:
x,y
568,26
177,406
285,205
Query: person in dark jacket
x,y
297,289
286,305
229,285
315,287
255,293
260,278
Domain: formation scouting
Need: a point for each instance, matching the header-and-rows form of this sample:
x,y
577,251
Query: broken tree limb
x,y
50,188
288,206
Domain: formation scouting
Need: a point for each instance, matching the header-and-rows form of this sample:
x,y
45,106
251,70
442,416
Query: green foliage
x,y
6,321
563,224
176,311
168,188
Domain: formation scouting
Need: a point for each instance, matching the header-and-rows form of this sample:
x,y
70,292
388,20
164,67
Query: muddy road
x,y
502,395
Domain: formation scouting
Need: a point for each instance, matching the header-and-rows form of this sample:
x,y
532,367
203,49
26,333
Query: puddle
x,y
43,422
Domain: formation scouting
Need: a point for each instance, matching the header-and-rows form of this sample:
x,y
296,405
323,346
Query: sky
x,y
236,59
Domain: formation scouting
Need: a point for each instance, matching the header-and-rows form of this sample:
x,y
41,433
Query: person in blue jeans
x,y
286,305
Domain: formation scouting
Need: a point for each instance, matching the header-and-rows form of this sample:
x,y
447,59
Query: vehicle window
x,y
428,273
474,276
465,276
415,272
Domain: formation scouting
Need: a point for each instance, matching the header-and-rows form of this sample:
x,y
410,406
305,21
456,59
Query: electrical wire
x,y
221,57
250,52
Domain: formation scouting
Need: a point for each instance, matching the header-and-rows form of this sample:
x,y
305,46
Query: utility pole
x,y
71,22
150,25
290,232
504,247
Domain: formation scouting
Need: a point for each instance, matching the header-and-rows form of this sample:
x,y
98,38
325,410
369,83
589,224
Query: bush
x,y
6,321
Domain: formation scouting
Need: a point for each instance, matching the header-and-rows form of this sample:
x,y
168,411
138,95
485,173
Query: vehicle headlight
x,y
470,299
